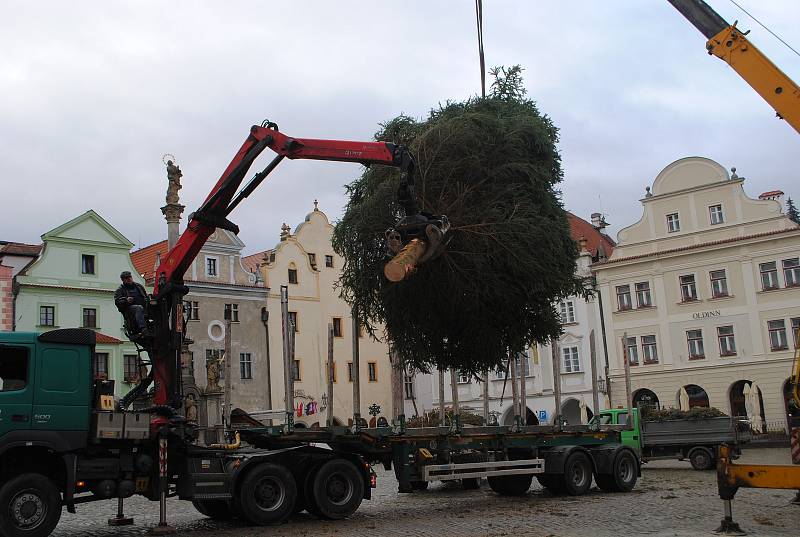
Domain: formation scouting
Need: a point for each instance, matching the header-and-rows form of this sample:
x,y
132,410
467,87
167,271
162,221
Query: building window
x,y
372,370
191,362
795,327
350,372
632,351
211,266
523,364
13,369
292,275
694,340
296,370
649,349
791,272
100,365
688,288
567,311
673,223
87,264
337,327
727,342
715,214
777,335
572,363
232,312
192,310
623,297
463,378
408,386
329,261
312,260
327,372
643,298
131,365
293,321
47,315
245,365
719,283
769,275
89,318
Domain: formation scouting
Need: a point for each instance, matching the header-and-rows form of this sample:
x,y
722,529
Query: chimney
x,y
776,195
599,221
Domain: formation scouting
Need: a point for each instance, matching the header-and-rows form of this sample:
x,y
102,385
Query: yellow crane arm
x,y
725,41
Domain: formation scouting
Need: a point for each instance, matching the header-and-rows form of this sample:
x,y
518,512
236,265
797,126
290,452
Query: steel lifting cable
x,y
479,17
776,36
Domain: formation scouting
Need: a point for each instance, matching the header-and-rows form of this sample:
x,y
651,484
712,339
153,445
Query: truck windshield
x,y
602,419
13,368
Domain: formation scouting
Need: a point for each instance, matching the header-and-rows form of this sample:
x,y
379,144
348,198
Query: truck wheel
x,y
216,509
577,477
510,485
470,483
701,459
552,483
30,506
267,494
337,489
624,475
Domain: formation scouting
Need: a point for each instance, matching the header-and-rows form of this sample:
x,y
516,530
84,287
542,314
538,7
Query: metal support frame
x,y
330,373
288,378
356,375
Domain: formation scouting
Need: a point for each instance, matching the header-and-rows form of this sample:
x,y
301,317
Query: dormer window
x,y
715,214
673,223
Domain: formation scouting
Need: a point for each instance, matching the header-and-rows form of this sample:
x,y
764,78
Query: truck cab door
x,y
629,438
63,389
16,387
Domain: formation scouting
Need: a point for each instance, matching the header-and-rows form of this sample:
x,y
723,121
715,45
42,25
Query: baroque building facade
x,y
72,283
304,262
703,294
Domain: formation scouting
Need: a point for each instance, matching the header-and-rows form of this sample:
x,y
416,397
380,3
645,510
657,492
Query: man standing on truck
x,y
131,300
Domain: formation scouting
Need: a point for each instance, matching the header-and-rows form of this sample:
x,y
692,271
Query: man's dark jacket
x,y
122,293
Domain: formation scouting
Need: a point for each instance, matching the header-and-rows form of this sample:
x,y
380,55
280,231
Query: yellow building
x,y
306,263
705,288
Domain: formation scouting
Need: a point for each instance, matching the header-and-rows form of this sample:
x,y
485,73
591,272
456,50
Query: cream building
x,y
305,262
706,288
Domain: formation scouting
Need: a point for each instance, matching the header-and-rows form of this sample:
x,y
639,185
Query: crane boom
x,y
728,43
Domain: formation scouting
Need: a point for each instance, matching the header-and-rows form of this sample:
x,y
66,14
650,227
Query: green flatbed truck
x,y
695,440
58,448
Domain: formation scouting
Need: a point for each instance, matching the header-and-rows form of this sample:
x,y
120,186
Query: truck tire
x,y
470,483
267,494
510,485
30,506
701,459
577,476
337,490
215,509
624,475
553,483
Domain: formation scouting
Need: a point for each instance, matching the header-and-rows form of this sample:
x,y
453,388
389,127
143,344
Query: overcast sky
x,y
92,94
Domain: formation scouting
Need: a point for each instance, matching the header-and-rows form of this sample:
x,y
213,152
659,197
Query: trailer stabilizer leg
x,y
163,528
796,500
120,519
728,526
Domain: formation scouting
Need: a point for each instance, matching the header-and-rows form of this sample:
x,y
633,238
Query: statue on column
x,y
212,374
174,175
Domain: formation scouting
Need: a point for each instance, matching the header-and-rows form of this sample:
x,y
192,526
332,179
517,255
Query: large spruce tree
x,y
491,166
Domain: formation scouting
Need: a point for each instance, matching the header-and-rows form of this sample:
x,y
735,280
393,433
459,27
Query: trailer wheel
x,y
216,509
510,485
267,494
30,506
577,477
470,483
624,475
701,459
338,489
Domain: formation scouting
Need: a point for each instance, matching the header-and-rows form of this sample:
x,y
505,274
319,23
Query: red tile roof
x,y
18,248
771,193
252,262
107,340
144,259
594,238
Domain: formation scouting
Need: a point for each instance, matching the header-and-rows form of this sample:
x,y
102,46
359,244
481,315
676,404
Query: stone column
x,y
172,214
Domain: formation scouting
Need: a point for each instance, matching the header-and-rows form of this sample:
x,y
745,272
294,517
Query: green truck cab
x,y
695,440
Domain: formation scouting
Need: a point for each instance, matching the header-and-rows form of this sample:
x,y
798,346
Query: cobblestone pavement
x,y
670,499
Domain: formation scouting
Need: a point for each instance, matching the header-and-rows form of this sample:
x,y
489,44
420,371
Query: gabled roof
x,y
144,259
18,248
252,262
594,238
107,340
118,238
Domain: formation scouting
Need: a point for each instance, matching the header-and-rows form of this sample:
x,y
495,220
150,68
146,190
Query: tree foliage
x,y
791,211
491,166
